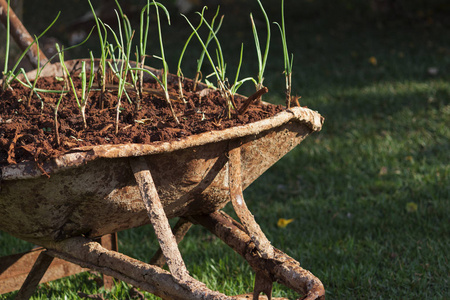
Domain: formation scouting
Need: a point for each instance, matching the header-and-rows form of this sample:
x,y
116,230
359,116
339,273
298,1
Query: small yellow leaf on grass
x,y
282,223
411,207
373,60
383,171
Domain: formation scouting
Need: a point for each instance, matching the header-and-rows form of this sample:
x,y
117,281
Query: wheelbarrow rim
x,y
82,155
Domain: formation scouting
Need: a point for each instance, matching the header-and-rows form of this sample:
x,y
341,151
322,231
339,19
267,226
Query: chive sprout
x,y
208,40
69,79
238,83
8,38
218,70
288,62
58,140
165,70
103,49
179,72
262,59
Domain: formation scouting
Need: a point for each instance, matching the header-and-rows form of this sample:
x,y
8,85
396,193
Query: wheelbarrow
x,y
98,190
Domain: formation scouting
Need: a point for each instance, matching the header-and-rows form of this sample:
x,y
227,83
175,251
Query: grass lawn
x,y
370,193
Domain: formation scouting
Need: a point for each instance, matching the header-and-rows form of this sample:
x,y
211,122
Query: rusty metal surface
x,y
280,268
15,268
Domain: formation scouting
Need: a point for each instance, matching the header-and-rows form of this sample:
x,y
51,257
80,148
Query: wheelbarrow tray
x,y
91,191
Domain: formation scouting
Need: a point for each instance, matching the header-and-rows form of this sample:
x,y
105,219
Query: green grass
x,y
385,143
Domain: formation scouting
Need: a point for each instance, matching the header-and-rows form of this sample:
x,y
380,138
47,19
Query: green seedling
x,y
262,58
165,70
124,50
238,83
219,69
125,47
205,49
68,79
144,25
8,39
58,140
288,62
91,74
141,49
198,74
179,72
32,86
119,68
102,33
86,87
38,72
121,65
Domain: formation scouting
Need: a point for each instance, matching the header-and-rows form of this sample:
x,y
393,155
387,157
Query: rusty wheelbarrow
x,y
98,190
93,191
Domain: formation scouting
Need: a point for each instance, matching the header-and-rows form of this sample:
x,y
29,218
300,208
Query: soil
x,y
29,132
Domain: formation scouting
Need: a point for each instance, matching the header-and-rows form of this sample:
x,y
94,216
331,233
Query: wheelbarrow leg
x,y
237,199
110,242
92,255
179,231
280,267
158,218
34,277
263,283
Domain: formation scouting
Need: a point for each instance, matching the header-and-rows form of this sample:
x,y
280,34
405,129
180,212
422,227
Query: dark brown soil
x,y
28,132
